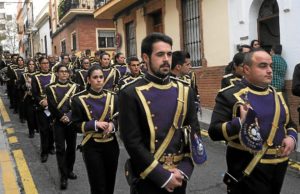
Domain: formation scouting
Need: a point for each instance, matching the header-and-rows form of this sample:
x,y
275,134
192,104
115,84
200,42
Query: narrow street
x,y
206,179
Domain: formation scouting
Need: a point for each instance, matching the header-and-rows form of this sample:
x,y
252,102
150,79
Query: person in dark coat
x,y
94,113
152,120
59,94
255,122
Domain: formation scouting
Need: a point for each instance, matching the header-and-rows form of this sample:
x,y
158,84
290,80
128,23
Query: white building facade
x,y
42,35
245,26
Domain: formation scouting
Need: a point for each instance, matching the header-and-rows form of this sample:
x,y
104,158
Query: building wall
x,y
44,31
243,24
243,16
85,28
141,30
172,29
216,32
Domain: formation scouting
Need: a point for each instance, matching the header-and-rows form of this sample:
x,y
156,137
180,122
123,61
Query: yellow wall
x,y
140,30
171,23
216,32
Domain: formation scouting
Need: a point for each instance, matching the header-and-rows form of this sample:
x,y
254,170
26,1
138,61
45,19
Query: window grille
x,y
191,30
130,40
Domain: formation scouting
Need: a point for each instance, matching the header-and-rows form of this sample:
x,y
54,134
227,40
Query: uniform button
x,y
153,115
156,141
155,128
148,102
91,112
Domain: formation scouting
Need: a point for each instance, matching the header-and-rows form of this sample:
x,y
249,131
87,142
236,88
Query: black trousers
x,y
46,132
264,179
101,161
30,112
65,144
148,187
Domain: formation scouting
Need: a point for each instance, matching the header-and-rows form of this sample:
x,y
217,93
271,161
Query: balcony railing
x,y
100,3
75,5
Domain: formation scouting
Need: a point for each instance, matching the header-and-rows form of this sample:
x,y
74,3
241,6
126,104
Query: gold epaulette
x,y
226,88
105,90
180,80
129,83
227,75
78,93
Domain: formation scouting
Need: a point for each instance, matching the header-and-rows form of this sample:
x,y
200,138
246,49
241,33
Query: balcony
x,y
68,9
107,9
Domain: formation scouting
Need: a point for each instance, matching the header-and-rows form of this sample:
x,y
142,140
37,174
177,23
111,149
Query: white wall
x,y
243,22
45,31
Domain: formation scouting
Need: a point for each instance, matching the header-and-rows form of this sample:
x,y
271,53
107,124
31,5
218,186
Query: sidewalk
x,y
8,180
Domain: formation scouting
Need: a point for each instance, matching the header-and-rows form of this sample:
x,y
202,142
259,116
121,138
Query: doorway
x,y
268,24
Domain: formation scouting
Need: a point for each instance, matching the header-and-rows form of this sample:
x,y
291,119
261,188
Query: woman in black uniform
x,y
27,102
58,95
93,112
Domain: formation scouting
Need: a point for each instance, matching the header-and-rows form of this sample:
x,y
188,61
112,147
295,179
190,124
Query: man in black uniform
x,y
135,72
152,130
271,135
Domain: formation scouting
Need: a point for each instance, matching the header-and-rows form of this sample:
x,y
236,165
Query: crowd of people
x,y
153,103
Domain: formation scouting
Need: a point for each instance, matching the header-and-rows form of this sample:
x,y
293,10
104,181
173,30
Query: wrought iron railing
x,y
100,3
66,5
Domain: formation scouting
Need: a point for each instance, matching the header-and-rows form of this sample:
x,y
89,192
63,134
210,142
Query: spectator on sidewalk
x,y
279,68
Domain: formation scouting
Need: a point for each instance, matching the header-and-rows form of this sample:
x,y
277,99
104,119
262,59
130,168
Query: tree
x,y
8,38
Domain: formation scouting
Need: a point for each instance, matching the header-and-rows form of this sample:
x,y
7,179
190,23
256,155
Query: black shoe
x,y
72,176
63,183
52,151
31,135
44,158
15,112
22,120
37,131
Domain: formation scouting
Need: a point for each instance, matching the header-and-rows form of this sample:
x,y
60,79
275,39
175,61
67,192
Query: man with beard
x,y
152,130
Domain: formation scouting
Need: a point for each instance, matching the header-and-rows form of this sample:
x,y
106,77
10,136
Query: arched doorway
x,y
268,24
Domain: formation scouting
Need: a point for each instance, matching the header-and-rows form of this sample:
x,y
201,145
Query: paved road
x,y
206,179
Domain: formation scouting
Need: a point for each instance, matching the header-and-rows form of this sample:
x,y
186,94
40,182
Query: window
x,y
130,39
8,17
155,23
1,5
2,15
2,26
106,38
73,39
63,46
191,30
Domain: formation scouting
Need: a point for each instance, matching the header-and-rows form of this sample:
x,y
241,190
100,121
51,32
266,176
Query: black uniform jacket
x,y
148,109
90,106
225,122
58,96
